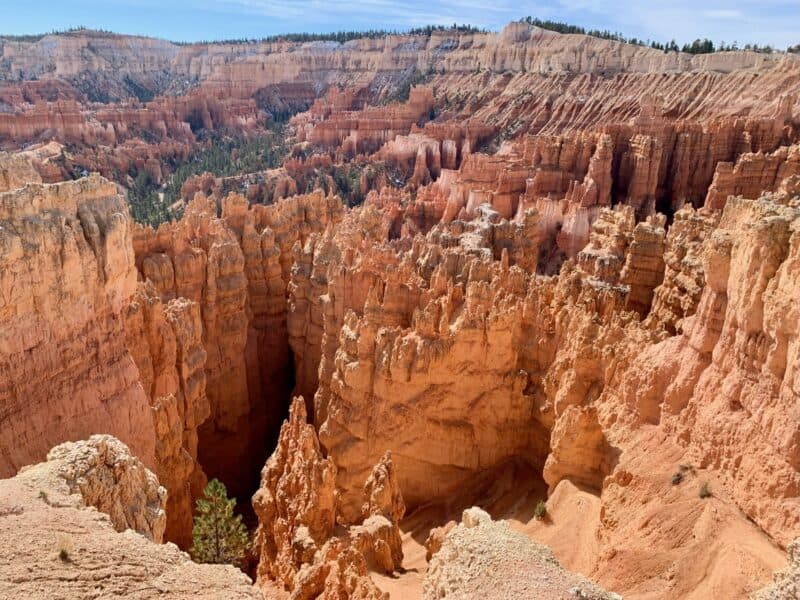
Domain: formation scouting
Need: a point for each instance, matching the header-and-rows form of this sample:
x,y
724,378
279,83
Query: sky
x,y
774,22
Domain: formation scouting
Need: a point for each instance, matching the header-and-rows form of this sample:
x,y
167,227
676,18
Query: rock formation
x,y
554,272
297,509
67,274
165,342
296,503
79,356
103,473
481,558
83,524
235,268
787,581
568,351
355,132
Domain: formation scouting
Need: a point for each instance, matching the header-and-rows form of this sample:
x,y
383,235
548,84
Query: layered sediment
x,y
67,276
235,270
547,276
297,506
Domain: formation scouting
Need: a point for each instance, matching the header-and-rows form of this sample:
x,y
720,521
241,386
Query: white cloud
x,y
723,14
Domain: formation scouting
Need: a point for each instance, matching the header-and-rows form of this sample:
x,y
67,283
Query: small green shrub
x,y
64,547
705,490
540,512
677,478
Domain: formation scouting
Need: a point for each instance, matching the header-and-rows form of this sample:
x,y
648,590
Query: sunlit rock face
x,y
93,508
522,266
297,505
67,276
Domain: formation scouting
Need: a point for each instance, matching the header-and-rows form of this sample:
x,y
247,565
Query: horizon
x,y
762,23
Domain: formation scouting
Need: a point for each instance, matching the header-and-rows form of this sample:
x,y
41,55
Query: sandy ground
x,y
666,542
510,494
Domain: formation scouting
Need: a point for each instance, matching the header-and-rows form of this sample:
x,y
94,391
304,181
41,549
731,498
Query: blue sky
x,y
776,22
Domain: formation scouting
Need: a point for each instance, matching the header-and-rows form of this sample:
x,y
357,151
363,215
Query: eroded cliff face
x,y
67,275
86,349
457,357
297,507
228,275
553,290
165,341
91,88
519,47
191,365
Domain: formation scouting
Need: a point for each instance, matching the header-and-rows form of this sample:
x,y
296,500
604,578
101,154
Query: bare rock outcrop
x,y
753,174
15,171
644,265
417,326
296,503
84,349
683,279
103,473
82,524
607,358
384,497
482,558
332,122
66,275
578,450
787,581
165,341
236,269
296,506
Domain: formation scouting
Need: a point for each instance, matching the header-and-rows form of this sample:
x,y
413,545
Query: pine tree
x,y
218,535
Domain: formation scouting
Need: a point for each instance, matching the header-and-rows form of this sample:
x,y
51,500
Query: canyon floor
x,y
452,315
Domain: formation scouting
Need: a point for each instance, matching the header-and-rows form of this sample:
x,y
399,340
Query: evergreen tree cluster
x,y
146,205
343,36
454,28
756,48
561,27
35,37
342,180
348,185
698,46
222,157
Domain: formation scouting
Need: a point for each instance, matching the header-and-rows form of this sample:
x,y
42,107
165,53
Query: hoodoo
x,y
450,313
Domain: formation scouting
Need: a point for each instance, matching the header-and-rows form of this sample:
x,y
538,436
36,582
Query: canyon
x,y
515,316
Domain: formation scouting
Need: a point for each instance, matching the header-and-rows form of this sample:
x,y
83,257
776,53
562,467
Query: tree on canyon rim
x,y
218,536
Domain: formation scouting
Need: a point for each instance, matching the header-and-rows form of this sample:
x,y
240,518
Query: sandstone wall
x,y
401,325
299,546
67,275
235,269
165,341
452,353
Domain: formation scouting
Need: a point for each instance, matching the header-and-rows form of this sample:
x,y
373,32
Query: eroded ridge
x,y
550,276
